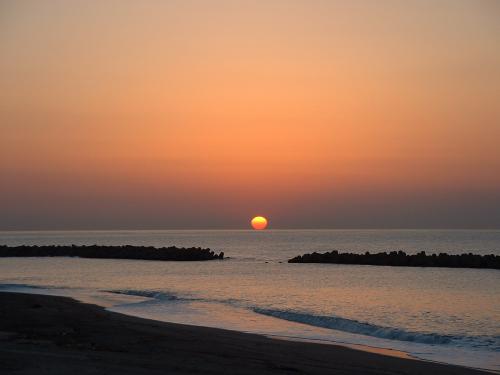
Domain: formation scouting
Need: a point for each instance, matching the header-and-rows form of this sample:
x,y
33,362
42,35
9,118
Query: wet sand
x,y
58,335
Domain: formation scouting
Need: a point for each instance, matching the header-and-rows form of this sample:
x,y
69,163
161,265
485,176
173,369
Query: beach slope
x,y
58,335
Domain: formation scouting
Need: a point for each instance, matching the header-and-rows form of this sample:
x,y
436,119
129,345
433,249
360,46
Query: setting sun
x,y
259,223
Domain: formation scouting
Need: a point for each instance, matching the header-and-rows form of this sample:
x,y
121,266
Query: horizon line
x,y
236,229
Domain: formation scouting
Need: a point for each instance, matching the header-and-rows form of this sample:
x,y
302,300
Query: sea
x,y
437,314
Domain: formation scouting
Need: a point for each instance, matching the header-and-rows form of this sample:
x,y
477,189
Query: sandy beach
x,y
58,335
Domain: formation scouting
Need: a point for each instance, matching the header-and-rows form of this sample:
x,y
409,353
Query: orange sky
x,y
182,114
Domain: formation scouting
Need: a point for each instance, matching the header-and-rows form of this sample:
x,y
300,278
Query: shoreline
x,y
52,334
359,347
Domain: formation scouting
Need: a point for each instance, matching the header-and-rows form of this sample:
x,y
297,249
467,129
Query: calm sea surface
x,y
448,315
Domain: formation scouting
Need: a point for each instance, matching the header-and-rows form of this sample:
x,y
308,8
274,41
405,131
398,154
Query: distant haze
x,y
203,114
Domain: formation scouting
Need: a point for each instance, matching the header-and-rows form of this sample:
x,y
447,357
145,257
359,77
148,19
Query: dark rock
x,y
401,259
112,252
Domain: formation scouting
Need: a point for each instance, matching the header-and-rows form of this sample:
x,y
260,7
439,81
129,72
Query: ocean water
x,y
439,314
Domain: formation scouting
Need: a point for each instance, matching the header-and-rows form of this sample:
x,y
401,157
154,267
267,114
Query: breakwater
x,y
113,252
401,259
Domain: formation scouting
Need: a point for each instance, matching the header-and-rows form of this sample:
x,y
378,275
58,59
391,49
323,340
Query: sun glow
x,y
259,222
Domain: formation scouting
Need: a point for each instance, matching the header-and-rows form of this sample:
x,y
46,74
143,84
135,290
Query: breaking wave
x,y
390,333
337,323
148,294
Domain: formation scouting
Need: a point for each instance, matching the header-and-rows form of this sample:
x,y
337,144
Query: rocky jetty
x,y
401,259
112,252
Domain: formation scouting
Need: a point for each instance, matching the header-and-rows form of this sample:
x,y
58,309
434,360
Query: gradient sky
x,y
202,114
